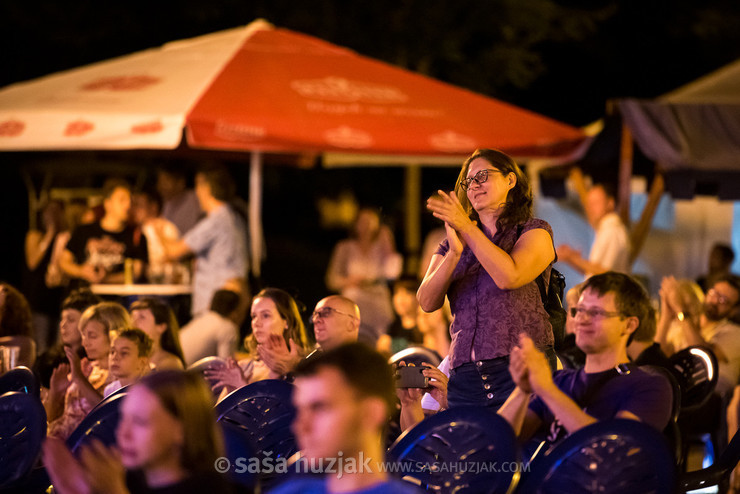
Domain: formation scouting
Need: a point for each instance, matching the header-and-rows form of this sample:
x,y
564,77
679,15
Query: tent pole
x,y
625,175
255,213
642,228
413,217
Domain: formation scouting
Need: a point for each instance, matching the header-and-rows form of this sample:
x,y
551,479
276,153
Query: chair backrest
x,y
22,431
208,363
264,410
416,355
462,450
672,431
697,371
614,456
20,379
239,448
100,423
717,472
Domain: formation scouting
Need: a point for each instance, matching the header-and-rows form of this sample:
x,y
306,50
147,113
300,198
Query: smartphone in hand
x,y
411,377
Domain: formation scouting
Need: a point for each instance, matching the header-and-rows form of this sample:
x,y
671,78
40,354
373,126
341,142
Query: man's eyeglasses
x,y
593,313
722,299
479,178
325,312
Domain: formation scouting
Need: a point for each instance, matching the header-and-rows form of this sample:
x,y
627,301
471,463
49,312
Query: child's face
x,y
124,361
95,340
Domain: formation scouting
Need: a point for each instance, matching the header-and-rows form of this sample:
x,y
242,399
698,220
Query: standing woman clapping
x,y
487,266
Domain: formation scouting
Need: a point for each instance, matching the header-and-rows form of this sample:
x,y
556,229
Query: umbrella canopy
x,y
268,89
137,101
287,91
264,89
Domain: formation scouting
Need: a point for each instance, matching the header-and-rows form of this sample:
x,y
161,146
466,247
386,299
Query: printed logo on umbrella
x,y
344,90
121,83
11,128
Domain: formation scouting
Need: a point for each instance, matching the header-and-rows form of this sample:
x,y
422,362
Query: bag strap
x,y
541,278
618,370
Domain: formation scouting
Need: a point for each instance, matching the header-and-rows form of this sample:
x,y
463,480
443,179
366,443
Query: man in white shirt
x,y
215,332
611,248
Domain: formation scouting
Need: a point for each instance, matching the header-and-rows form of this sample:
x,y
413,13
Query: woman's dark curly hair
x,y
518,207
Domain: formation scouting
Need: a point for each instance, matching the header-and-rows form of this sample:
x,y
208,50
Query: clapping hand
x,y
277,356
59,381
670,298
529,367
230,376
446,206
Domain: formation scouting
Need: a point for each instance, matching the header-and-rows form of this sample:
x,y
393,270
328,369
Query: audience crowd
x,y
477,308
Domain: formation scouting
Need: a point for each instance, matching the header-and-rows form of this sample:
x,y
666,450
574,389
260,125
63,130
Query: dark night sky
x,y
561,58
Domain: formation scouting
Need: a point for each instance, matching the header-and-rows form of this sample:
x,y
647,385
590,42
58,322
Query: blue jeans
x,y
485,383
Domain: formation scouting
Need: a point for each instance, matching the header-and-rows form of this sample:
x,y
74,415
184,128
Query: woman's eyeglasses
x,y
479,178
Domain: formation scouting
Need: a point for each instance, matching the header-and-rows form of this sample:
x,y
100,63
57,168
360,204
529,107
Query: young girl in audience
x,y
128,359
156,319
89,376
276,321
167,441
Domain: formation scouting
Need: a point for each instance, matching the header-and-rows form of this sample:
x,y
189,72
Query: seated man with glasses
x,y
336,321
550,407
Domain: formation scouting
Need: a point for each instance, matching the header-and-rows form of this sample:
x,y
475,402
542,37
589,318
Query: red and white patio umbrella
x,y
265,89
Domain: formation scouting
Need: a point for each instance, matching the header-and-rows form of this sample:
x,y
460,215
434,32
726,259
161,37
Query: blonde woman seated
x,y
86,377
276,324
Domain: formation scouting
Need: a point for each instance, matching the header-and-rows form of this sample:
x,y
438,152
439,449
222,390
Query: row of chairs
x,y
256,419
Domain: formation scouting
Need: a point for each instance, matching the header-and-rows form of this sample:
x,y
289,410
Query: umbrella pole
x,y
413,217
255,213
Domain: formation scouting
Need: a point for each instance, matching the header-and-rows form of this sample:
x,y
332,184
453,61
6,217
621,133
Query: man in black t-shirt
x,y
96,253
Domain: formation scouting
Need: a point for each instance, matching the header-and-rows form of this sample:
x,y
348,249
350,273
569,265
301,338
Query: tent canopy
x,y
695,127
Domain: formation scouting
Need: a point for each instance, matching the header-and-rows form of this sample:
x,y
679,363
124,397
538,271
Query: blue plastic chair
x,y
22,431
20,379
461,450
239,448
416,355
697,371
715,474
264,411
100,423
609,457
209,363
